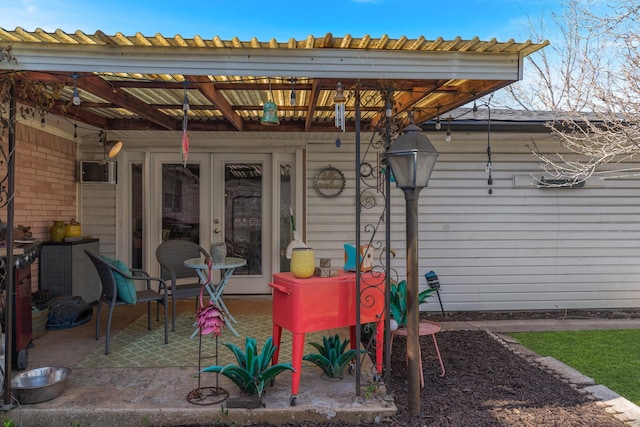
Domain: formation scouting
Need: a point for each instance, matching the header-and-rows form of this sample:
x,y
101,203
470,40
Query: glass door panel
x,y
137,216
181,202
243,214
286,210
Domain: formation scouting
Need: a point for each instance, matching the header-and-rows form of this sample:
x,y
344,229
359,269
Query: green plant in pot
x,y
252,373
398,303
331,357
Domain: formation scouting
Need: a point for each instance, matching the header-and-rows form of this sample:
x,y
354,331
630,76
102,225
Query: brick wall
x,y
45,183
45,180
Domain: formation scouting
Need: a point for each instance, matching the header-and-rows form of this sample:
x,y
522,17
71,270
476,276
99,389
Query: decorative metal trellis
x,y
373,189
7,183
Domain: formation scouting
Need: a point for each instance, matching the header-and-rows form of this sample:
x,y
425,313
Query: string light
x,y
388,111
292,99
75,100
448,136
475,109
185,101
438,124
489,162
340,101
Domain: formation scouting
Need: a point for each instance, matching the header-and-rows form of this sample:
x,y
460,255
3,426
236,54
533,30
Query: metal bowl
x,y
40,384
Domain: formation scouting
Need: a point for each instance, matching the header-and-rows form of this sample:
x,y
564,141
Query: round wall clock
x,y
329,182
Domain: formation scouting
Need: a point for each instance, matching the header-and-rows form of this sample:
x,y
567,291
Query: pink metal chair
x,y
427,327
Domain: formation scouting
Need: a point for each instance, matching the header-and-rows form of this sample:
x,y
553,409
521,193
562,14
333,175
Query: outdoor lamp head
x,y
112,148
411,159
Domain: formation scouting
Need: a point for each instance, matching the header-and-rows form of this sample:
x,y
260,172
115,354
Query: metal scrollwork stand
x,y
373,188
209,395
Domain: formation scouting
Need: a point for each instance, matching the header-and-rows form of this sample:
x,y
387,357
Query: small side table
x,y
427,327
216,289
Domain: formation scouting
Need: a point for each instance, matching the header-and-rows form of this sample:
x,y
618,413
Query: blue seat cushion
x,y
126,287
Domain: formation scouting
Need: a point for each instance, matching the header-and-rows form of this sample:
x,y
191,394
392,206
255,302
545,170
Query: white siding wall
x,y
99,215
98,206
520,248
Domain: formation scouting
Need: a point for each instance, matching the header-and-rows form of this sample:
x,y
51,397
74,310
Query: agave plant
x,y
332,358
252,372
398,301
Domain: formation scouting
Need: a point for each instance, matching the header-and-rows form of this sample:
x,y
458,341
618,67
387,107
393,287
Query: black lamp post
x,y
411,158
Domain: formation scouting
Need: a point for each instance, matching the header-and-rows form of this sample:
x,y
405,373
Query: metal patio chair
x,y
171,255
109,293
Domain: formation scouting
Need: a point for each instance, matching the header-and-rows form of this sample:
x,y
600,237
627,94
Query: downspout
x,y
387,255
358,258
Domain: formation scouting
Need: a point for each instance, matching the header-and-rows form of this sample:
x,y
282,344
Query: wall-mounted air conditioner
x,y
98,172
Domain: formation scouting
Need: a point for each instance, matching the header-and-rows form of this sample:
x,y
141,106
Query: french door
x,y
242,212
230,198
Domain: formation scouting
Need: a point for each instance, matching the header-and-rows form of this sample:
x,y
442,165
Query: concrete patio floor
x,y
158,396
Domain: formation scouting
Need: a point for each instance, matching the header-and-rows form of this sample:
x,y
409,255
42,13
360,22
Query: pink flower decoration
x,y
210,320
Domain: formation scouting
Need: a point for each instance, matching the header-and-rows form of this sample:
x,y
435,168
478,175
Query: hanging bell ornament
x,y
270,114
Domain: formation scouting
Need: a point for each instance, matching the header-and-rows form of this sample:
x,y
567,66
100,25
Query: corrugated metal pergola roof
x,y
138,82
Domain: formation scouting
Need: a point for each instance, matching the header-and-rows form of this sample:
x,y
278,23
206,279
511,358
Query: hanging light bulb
x,y
475,109
340,101
388,111
75,130
438,124
448,135
43,123
75,100
292,99
185,101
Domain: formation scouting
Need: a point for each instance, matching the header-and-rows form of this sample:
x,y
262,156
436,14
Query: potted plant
x,y
252,372
332,357
398,303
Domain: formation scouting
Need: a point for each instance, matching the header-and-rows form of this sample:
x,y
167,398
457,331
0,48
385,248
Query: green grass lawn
x,y
611,358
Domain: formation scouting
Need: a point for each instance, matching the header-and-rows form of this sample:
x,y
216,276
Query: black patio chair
x,y
109,293
171,255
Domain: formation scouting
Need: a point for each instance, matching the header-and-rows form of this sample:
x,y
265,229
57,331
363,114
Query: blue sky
x,y
502,19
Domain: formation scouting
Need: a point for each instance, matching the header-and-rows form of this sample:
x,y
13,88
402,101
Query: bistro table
x,y
215,290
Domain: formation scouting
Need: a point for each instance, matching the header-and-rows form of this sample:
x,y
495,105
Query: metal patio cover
x,y
129,83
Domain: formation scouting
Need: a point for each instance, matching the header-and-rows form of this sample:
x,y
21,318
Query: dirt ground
x,y
487,384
